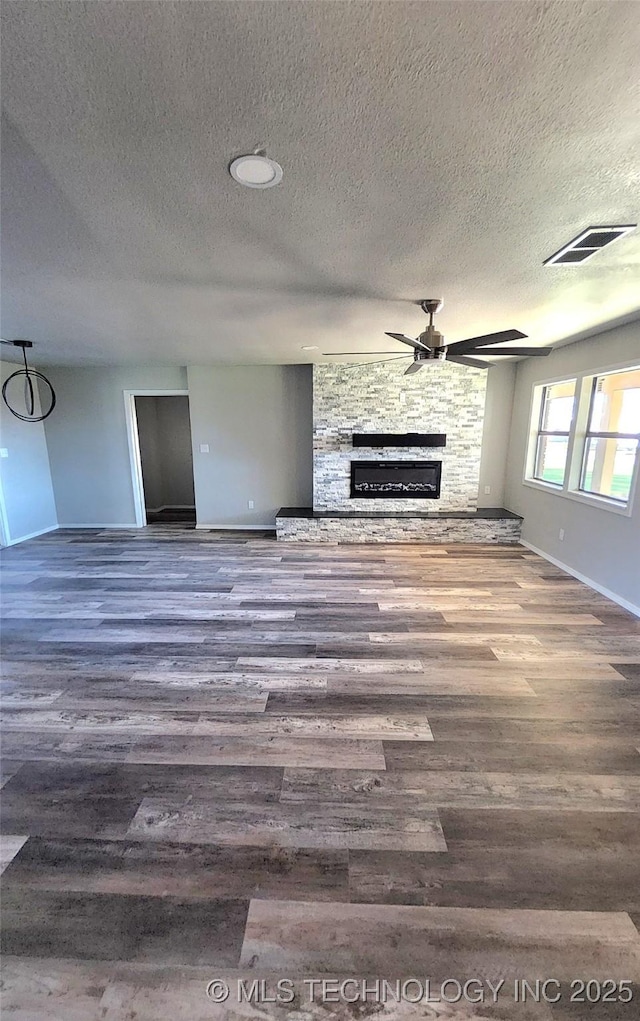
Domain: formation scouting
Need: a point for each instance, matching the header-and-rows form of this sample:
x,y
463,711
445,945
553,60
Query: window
x,y
554,427
585,437
611,439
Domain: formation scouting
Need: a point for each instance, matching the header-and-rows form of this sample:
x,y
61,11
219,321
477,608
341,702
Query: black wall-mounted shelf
x,y
399,440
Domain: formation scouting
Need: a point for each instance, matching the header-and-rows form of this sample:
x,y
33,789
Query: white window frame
x,y
576,446
537,407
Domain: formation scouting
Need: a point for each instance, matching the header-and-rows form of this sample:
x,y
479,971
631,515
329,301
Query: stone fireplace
x,y
443,399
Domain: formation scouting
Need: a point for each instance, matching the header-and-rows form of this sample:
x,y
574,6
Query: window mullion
x,y
578,434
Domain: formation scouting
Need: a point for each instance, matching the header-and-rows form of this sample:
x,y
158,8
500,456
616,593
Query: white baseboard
x,y
240,528
32,535
624,603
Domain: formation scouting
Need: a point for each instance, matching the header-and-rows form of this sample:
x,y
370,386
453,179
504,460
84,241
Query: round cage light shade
x,y
27,393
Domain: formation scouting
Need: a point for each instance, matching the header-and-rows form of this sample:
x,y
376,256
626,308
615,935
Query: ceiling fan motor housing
x,y
432,338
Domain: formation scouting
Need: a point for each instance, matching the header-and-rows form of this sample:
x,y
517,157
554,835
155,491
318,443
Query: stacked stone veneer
x,y
429,530
441,398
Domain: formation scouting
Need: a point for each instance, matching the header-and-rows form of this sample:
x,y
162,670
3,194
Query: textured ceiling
x,y
431,148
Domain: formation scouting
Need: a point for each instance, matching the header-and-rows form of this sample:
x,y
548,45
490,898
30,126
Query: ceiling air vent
x,y
587,244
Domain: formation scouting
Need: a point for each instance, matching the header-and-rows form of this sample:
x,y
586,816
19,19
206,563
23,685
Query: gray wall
x,y
600,545
501,380
164,431
257,422
256,419
87,440
26,489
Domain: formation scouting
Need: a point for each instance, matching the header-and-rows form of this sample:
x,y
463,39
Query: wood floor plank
x,y
280,750
69,781
542,791
436,682
329,664
63,745
85,721
544,730
520,828
42,815
286,825
238,680
563,877
597,755
155,868
498,943
398,726
127,698
479,616
168,930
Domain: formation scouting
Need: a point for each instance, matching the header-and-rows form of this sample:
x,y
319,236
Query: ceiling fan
x,y
430,346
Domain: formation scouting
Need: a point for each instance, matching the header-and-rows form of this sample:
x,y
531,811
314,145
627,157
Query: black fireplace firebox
x,y
396,480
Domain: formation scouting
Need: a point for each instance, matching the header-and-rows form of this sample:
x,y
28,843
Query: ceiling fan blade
x,y
407,340
528,352
367,353
413,367
463,360
379,361
462,346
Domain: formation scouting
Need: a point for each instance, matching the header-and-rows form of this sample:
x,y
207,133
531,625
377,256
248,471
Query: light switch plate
x,y
204,448
4,452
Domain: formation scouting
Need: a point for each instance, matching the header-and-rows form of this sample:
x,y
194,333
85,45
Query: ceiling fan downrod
x,y
431,338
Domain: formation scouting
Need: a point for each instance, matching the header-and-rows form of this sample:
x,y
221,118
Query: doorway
x,y
164,462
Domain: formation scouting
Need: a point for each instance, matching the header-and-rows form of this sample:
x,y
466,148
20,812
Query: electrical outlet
x,y
250,504
561,534
204,448
487,490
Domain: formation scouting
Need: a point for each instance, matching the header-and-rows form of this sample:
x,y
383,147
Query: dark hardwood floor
x,y
224,757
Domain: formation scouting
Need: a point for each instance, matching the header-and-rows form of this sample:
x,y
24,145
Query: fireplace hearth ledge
x,y
487,524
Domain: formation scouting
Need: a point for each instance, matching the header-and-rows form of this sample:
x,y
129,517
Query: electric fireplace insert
x,y
393,480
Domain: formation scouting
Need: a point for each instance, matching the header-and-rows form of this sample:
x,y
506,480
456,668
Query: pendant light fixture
x,y
31,379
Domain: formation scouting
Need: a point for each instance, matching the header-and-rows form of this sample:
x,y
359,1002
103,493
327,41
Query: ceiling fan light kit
x,y
429,346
